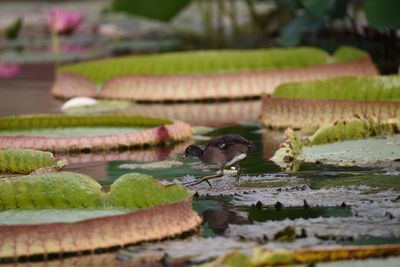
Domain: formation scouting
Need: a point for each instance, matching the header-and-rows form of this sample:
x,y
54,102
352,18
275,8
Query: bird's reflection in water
x,y
219,220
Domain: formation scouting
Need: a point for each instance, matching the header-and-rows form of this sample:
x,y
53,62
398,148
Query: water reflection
x,y
271,141
216,114
219,220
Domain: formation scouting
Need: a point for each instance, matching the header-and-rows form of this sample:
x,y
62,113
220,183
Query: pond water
x,y
329,204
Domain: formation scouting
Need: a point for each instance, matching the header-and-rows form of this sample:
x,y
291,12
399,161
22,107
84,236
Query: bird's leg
x,y
206,179
238,172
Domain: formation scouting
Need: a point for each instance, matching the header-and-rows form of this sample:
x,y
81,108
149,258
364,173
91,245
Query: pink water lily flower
x,y
9,70
63,21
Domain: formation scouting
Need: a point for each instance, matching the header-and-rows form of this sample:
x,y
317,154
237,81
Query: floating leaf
x,y
164,211
347,53
232,73
74,190
203,62
344,88
266,257
355,128
366,152
325,101
25,161
143,191
104,137
289,151
101,106
54,121
54,190
296,113
199,62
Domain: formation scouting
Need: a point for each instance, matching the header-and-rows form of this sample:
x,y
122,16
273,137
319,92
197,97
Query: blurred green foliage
x,y
383,14
155,9
13,30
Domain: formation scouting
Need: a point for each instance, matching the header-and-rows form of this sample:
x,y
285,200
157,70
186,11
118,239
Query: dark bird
x,y
222,151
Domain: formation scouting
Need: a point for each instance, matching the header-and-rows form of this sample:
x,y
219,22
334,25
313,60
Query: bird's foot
x,y
204,179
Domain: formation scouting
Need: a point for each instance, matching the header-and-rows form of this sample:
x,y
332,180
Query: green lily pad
x,y
344,88
372,151
265,257
347,53
101,106
100,71
131,212
25,161
319,102
42,216
355,128
74,190
55,121
72,133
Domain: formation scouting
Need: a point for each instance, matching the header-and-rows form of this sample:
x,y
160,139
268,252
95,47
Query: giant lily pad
x,y
378,151
228,74
322,102
356,128
266,257
25,161
140,209
97,132
373,151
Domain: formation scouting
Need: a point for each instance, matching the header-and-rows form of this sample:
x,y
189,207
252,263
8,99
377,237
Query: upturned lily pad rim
x,y
211,61
159,131
25,161
365,88
86,235
63,120
155,221
75,190
281,112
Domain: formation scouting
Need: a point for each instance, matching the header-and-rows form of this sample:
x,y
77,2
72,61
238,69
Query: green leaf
x,y
100,220
199,62
291,33
356,128
155,9
92,132
74,190
347,53
25,161
44,216
339,9
54,121
383,14
290,148
262,256
137,190
54,190
13,30
366,152
354,88
317,7
101,106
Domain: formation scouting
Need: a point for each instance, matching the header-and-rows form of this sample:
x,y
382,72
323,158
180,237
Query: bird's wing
x,y
226,140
